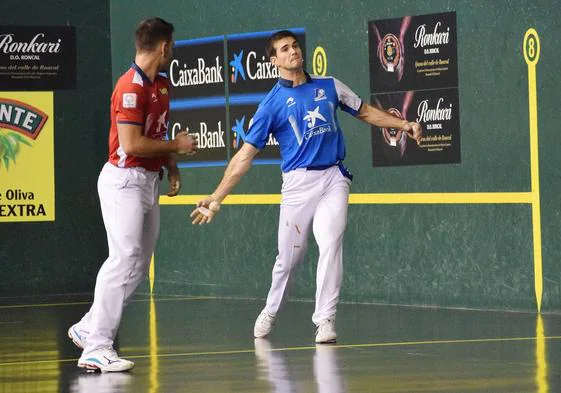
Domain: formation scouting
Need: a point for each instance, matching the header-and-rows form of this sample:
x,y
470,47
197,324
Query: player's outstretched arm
x,y
380,118
237,168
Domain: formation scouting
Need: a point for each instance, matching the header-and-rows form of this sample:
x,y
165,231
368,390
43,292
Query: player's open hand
x,y
205,211
414,130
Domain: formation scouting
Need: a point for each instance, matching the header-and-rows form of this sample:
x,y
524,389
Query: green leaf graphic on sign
x,y
10,143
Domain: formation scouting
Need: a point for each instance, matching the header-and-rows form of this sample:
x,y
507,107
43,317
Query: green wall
x,y
63,256
469,255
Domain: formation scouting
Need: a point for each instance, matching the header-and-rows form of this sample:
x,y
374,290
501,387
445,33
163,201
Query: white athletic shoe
x,y
105,360
263,324
325,333
78,336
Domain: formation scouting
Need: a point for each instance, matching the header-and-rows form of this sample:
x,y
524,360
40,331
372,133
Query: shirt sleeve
x,y
260,127
130,105
348,100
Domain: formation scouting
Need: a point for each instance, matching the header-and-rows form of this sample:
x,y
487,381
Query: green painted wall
x,y
63,256
446,255
449,255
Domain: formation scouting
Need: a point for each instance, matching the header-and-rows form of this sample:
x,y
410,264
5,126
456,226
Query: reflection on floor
x,y
206,345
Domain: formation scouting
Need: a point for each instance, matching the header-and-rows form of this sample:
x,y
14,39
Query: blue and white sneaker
x,y
104,360
78,336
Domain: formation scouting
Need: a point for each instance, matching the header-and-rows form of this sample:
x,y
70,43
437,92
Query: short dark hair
x,y
279,35
150,32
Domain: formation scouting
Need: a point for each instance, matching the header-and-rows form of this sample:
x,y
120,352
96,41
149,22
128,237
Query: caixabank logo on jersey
x,y
241,117
249,67
26,157
438,113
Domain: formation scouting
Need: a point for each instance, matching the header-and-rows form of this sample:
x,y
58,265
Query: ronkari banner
x,y
413,53
37,58
27,190
437,111
414,76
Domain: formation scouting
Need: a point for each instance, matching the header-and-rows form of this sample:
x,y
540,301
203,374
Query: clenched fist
x,y
185,143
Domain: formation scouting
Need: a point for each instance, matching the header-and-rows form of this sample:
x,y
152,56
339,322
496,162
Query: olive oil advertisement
x,y
27,190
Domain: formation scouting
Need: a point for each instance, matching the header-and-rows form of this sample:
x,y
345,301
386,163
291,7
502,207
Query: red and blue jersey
x,y
137,100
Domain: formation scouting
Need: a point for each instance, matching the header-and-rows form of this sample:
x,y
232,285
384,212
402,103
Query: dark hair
x,y
150,32
279,35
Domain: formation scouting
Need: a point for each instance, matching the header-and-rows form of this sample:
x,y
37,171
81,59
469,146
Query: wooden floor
x,y
206,345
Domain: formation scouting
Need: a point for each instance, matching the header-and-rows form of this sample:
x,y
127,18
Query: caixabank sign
x,y
215,95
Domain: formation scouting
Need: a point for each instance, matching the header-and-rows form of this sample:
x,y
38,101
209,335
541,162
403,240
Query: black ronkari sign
x,y
37,58
414,76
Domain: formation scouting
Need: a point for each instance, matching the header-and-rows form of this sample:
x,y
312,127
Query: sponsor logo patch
x,y
129,100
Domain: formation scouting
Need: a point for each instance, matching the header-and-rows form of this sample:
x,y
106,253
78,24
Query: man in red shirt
x,y
128,189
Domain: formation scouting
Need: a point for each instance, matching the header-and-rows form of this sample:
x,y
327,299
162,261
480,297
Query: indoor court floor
x,y
195,344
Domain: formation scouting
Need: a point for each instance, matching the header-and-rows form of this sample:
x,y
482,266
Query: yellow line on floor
x,y
338,346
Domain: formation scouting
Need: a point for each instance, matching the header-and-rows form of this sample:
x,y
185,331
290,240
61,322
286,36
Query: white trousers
x,y
131,213
317,200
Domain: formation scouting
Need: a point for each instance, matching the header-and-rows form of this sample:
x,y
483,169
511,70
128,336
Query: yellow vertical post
x,y
541,358
151,274
154,361
531,49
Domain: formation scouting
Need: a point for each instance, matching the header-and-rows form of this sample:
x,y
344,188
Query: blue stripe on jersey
x,y
129,122
350,110
303,119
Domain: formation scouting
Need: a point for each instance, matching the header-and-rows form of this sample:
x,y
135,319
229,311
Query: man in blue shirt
x,y
300,112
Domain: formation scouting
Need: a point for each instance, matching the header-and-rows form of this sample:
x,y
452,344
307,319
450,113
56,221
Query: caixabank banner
x,y
252,76
208,125
198,98
241,117
198,74
414,76
249,67
26,157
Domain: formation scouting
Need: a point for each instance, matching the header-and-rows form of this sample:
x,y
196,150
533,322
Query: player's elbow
x,y
129,148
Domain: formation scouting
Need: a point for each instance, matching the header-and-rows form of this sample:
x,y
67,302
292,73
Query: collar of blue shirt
x,y
288,82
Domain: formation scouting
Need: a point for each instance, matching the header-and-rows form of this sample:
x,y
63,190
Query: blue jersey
x,y
303,119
